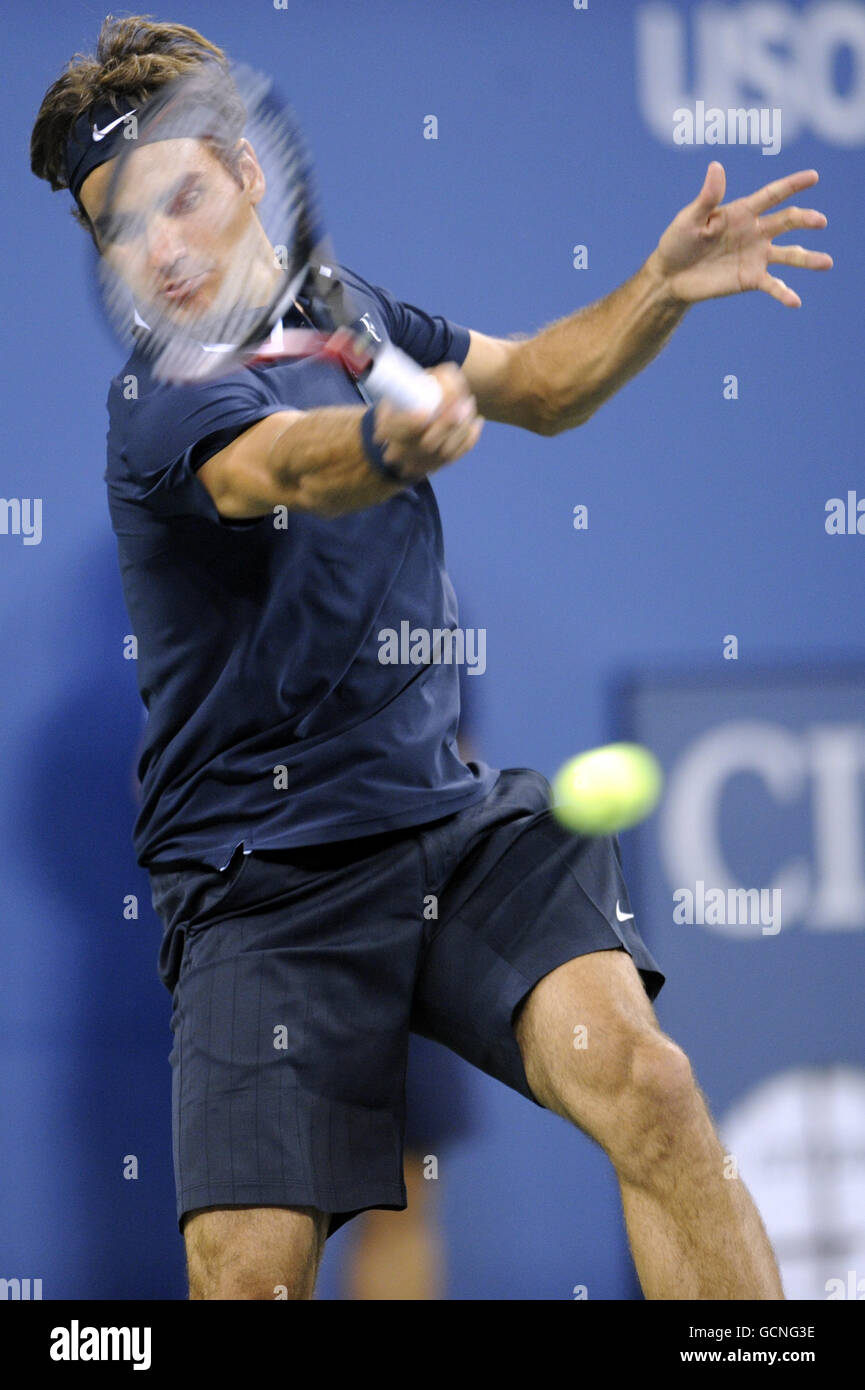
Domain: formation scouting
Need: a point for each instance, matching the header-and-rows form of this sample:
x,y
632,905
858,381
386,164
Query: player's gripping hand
x,y
417,444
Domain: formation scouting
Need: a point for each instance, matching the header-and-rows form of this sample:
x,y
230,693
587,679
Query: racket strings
x,y
259,268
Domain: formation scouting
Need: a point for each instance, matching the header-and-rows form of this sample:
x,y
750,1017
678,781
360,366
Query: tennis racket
x,y
210,230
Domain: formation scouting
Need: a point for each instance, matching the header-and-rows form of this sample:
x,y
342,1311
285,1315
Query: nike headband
x,y
96,137
102,132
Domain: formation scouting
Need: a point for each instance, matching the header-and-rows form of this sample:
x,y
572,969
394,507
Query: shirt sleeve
x,y
428,338
167,434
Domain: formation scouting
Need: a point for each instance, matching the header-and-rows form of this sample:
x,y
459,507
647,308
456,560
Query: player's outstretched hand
x,y
418,444
710,250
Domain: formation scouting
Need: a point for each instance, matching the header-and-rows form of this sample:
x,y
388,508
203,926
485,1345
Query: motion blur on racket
x,y
201,259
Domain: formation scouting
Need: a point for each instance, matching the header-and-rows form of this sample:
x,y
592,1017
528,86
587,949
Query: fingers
x,y
454,386
450,420
459,441
452,434
797,255
454,416
775,192
466,439
788,220
417,464
792,219
419,443
780,291
713,190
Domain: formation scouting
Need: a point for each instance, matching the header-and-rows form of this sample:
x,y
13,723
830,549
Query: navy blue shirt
x,y
271,720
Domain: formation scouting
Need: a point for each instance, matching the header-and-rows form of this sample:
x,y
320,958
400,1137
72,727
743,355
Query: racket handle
x,y
397,378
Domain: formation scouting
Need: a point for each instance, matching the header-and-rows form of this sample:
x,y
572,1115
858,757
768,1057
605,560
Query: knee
x,y
657,1110
251,1256
637,1097
661,1081
217,1282
225,1276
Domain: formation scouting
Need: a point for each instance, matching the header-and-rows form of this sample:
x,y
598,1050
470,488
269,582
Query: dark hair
x,y
134,58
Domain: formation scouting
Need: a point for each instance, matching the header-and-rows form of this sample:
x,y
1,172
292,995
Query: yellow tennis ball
x,y
607,790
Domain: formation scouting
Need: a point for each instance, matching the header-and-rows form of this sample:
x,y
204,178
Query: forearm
x,y
316,460
571,367
318,463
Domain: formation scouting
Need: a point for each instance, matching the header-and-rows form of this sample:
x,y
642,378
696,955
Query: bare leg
x,y
254,1252
694,1232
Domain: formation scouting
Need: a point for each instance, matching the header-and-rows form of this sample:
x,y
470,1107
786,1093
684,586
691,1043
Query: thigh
x,y
578,1031
519,898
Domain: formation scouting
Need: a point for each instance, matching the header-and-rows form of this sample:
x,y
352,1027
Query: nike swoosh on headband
x,y
101,134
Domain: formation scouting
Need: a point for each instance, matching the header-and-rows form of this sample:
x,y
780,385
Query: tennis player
x,y
330,874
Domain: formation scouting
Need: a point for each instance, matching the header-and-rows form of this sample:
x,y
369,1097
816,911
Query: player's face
x,y
174,224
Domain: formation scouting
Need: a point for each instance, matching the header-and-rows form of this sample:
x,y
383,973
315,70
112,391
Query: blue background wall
x,y
706,517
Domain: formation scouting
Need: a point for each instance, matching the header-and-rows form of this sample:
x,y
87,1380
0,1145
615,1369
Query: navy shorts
x,y
439,1109
298,974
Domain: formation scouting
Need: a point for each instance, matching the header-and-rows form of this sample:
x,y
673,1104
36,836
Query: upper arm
x,y
160,446
238,477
